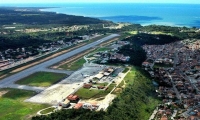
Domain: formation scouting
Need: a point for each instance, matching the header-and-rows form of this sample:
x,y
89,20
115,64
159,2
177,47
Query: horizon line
x,y
94,3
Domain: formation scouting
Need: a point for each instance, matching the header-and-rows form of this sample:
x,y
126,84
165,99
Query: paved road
x,y
174,87
159,56
9,81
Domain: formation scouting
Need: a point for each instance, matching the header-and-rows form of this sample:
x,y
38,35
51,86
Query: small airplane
x,y
85,75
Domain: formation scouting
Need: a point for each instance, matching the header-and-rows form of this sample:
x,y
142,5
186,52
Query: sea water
x,y
140,13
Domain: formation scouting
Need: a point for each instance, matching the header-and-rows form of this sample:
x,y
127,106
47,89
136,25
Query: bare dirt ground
x,y
3,92
117,90
3,76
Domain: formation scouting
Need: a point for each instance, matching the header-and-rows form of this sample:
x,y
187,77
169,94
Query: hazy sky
x,y
105,1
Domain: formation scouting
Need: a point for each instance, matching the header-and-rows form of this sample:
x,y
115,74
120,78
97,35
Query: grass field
x,y
104,93
41,79
84,93
74,65
130,76
12,106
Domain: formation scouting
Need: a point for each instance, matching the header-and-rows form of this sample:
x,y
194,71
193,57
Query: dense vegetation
x,y
136,53
149,39
27,16
20,41
136,102
32,40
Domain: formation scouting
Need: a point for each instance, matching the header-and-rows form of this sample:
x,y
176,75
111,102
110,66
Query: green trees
x,y
14,42
149,39
72,114
136,53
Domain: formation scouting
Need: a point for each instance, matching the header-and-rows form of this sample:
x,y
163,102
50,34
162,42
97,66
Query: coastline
x,y
153,17
131,13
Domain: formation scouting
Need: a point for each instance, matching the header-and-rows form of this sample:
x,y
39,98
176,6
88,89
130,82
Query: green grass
x,y
125,70
101,84
73,66
47,110
104,93
84,93
41,79
13,107
129,77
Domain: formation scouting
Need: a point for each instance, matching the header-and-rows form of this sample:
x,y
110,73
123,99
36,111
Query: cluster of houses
x,y
179,84
179,93
159,54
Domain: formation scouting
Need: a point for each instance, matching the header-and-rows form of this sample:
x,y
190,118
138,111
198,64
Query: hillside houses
x,y
179,84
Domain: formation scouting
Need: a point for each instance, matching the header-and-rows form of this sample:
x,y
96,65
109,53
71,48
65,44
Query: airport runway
x,y
9,81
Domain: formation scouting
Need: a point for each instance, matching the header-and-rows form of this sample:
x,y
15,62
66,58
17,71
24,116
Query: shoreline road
x,y
9,81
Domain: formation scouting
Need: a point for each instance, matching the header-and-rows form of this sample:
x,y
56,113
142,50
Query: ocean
x,y
141,13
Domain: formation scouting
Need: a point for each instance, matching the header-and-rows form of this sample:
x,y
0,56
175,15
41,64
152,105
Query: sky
x,y
103,1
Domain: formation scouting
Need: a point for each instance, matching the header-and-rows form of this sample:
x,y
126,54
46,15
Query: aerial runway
x,y
9,81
